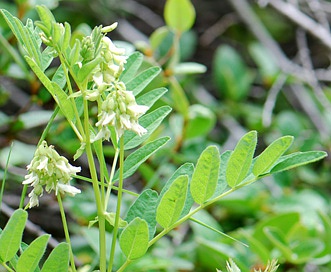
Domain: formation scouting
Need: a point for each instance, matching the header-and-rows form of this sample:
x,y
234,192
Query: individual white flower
x,y
121,111
50,172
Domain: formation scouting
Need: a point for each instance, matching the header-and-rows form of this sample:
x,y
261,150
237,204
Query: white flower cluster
x,y
109,70
121,111
50,170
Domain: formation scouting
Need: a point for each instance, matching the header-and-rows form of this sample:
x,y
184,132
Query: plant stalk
x,y
66,232
118,207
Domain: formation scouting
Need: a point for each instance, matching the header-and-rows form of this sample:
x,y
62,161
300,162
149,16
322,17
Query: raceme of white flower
x,y
107,73
121,111
50,171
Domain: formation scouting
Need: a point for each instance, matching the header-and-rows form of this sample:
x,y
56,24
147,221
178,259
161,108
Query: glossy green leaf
x,y
11,236
205,176
138,83
135,159
132,65
186,169
241,159
30,257
134,239
172,202
271,154
145,208
148,99
179,14
297,159
150,122
58,260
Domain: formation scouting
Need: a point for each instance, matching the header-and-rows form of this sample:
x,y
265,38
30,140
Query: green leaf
x,y
271,154
279,240
134,239
172,202
241,159
135,159
138,83
231,75
150,122
24,36
67,36
58,94
148,99
221,182
297,159
179,14
201,121
268,68
59,77
87,68
132,65
58,260
45,16
186,68
145,208
30,257
11,236
205,176
46,58
110,218
186,169
158,37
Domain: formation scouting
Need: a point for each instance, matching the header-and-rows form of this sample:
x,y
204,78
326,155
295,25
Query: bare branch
x,y
302,20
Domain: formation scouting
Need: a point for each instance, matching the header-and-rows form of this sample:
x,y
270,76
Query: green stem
x,y
111,178
7,267
118,207
80,135
66,232
95,184
124,266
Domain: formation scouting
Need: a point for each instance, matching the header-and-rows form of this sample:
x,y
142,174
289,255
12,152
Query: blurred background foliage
x,y
242,65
